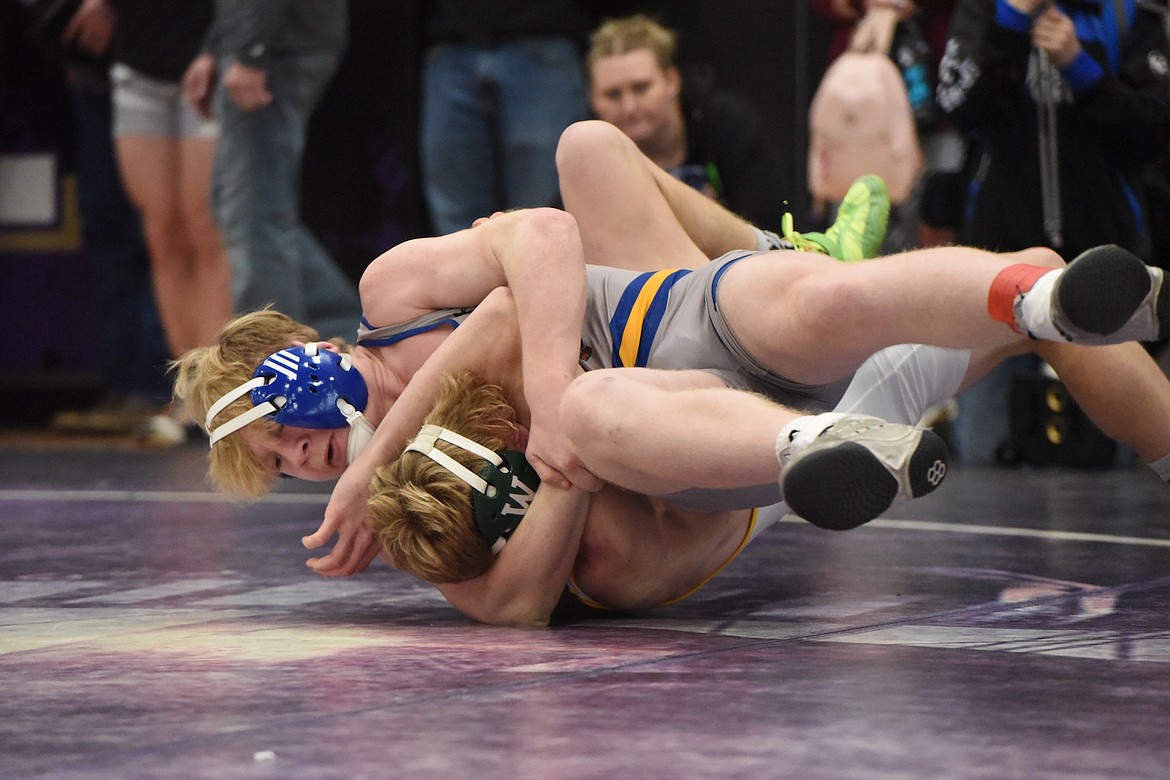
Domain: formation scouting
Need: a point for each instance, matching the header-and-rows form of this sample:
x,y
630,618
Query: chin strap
x,y
360,431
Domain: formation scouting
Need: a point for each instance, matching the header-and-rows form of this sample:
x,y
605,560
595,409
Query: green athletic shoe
x,y
860,227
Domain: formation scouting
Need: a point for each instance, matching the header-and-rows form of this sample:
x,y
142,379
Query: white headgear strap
x,y
245,418
357,422
424,442
360,431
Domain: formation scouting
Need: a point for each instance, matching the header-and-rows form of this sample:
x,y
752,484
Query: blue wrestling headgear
x,y
304,387
502,490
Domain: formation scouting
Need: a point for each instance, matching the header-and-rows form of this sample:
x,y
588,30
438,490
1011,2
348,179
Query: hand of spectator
x,y
845,10
247,87
1029,7
902,7
482,220
91,27
875,31
345,516
1053,32
199,84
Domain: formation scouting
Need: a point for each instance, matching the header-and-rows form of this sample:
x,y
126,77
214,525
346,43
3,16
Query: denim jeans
x,y
491,119
275,258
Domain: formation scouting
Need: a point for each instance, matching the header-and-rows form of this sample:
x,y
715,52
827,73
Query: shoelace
x,y
796,239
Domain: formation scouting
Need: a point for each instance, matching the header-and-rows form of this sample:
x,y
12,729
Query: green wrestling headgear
x,y
502,491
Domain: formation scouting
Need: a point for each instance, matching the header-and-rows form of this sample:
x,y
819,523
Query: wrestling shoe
x,y
860,228
842,470
1108,295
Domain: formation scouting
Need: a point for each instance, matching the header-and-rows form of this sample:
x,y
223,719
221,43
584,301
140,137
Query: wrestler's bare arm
x,y
527,578
486,343
537,253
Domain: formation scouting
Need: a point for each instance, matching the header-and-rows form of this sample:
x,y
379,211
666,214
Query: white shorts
x,y
149,106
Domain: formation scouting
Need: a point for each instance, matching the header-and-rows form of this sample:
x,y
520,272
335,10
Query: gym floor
x,y
1015,624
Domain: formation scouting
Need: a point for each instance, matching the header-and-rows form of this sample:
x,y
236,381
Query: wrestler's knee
x,y
583,143
588,406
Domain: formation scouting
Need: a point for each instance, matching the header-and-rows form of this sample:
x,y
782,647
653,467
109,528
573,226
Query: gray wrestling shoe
x,y
842,470
1107,295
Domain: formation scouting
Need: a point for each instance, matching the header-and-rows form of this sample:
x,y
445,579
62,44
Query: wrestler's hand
x,y
345,515
483,220
555,459
247,86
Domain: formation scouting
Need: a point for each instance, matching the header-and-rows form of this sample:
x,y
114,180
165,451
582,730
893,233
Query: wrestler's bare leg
x,y
812,319
665,432
633,214
659,432
1120,388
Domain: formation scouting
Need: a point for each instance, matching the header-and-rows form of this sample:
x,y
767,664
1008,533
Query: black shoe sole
x,y
1102,288
846,486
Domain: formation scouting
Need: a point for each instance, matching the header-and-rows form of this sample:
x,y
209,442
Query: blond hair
x,y
420,511
631,33
206,374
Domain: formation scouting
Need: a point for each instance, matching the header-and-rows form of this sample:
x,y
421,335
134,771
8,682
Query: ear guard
x,y
501,492
302,387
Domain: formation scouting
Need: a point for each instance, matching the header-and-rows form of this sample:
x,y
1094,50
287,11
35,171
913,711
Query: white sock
x,y
1034,310
766,240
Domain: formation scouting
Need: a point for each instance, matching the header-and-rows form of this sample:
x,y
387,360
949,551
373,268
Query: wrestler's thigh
x,y
780,307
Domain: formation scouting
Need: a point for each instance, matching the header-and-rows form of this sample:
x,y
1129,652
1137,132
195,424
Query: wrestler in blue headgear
x,y
304,387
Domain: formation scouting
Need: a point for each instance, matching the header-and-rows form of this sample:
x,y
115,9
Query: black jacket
x,y
728,137
253,30
1112,119
160,37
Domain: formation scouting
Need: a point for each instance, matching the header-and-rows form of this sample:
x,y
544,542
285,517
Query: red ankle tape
x,y
1009,283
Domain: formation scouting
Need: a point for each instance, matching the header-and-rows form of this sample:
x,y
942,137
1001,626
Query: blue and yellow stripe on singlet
x,y
639,313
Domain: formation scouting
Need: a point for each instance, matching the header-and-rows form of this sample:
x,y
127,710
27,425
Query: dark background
x,y
361,185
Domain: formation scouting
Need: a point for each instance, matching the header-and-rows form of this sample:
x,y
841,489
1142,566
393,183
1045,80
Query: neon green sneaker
x,y
860,227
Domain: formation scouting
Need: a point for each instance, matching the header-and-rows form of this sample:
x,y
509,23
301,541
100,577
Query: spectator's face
x,y
630,91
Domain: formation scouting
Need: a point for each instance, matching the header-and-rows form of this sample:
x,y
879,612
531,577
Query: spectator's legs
x,y
129,334
168,180
982,427
540,88
457,140
275,258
